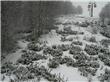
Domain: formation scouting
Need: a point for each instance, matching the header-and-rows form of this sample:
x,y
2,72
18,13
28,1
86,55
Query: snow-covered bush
x,y
8,67
105,42
64,47
34,46
84,24
68,61
105,59
29,57
77,42
70,39
81,63
87,70
106,76
47,50
104,50
64,60
80,56
53,63
63,39
94,64
57,52
54,46
94,30
45,73
75,50
92,39
53,52
92,49
67,23
67,29
21,73
81,33
105,32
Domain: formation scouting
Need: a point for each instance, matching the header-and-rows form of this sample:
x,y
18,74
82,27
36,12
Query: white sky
x,y
84,5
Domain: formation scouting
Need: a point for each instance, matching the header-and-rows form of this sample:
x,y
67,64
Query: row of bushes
x,y
105,59
105,42
105,32
53,52
31,71
90,39
92,49
30,56
77,43
85,71
71,32
75,50
34,46
106,76
66,39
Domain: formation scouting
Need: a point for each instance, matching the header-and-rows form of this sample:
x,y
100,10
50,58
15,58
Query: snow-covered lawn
x,y
13,57
70,74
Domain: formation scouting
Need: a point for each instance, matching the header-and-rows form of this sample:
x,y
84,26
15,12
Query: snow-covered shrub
x,y
47,50
106,76
53,63
75,49
67,29
81,33
64,47
70,39
84,24
21,73
87,70
66,23
64,60
45,73
105,32
105,59
68,61
57,52
94,30
8,67
104,50
34,46
105,42
77,42
53,52
29,57
92,49
24,50
63,39
54,46
83,71
58,23
94,64
92,39
74,32
80,56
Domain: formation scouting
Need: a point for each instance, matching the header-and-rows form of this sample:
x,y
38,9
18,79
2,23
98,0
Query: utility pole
x,y
91,6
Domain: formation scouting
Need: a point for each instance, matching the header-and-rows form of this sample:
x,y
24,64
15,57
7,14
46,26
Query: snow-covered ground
x,y
70,73
13,57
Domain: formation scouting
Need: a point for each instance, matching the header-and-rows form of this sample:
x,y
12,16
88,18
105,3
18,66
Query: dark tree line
x,y
29,16
105,12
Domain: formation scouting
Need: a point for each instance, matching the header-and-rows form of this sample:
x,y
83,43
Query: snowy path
x,y
13,57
